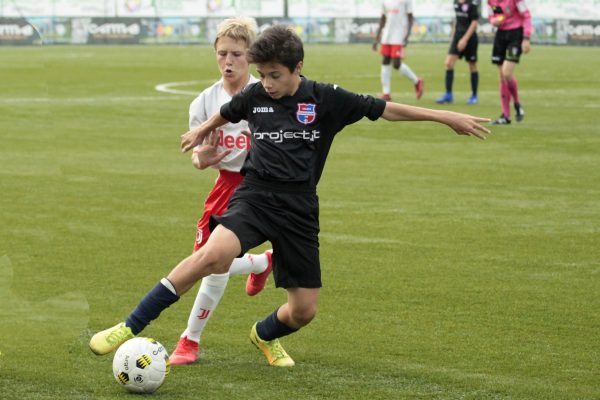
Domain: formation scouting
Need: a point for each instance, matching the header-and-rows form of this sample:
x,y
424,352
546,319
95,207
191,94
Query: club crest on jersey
x,y
306,113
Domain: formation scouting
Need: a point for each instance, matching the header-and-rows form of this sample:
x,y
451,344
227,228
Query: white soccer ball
x,y
141,365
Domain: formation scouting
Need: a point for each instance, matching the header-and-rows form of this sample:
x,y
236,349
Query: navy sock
x,y
474,82
449,80
157,299
272,328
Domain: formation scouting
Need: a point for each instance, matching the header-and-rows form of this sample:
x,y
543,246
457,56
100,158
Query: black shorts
x,y
507,46
289,219
470,52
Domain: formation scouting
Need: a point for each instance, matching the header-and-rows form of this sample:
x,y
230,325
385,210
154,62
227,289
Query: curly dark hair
x,y
277,44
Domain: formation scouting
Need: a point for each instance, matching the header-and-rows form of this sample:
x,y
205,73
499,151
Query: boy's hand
x,y
464,124
206,154
192,138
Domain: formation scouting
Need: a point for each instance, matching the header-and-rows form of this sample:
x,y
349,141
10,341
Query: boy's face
x,y
231,57
277,80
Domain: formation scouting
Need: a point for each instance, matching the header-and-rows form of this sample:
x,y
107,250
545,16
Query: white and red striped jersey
x,y
231,137
396,21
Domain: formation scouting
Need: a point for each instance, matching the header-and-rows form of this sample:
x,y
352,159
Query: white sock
x,y
386,78
208,298
407,72
255,263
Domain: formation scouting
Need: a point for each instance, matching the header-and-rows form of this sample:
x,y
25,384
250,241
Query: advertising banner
x,y
583,32
17,31
107,30
174,31
363,30
53,30
428,29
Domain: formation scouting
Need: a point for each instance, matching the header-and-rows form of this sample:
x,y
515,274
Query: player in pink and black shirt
x,y
513,20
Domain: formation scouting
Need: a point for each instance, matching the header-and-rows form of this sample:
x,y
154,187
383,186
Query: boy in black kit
x,y
293,122
464,43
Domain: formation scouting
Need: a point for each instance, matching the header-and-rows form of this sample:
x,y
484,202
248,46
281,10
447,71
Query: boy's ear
x,y
299,67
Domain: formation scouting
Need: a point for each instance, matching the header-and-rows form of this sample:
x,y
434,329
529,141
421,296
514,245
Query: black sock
x,y
157,299
449,80
474,82
272,328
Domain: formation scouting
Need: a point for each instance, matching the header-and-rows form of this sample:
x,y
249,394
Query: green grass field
x,y
453,268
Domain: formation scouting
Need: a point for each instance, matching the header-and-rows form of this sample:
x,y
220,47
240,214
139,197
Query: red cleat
x,y
186,352
386,97
256,282
419,88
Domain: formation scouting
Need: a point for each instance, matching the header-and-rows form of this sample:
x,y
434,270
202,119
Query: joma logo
x,y
262,110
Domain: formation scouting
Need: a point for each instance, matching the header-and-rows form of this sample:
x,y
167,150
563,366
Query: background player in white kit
x,y
393,32
225,150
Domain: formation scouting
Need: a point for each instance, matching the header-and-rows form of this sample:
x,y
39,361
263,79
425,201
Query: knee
x,y
506,75
303,316
211,261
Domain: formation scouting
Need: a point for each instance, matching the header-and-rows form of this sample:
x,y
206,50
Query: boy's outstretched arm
x,y
195,136
462,124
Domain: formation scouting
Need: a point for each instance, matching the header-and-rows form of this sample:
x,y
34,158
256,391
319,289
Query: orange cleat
x,y
256,282
419,88
186,352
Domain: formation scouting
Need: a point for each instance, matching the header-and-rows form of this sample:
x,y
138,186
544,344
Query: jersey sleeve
x,y
198,111
237,109
474,12
350,107
526,15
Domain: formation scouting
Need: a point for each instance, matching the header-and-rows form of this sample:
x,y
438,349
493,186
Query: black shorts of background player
x,y
292,122
464,43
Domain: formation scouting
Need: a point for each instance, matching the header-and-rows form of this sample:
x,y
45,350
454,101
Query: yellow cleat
x,y
272,349
110,339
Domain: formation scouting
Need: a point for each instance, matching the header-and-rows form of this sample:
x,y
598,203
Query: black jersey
x,y
291,136
466,12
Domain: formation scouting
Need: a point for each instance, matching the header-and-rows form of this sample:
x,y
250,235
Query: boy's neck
x,y
234,87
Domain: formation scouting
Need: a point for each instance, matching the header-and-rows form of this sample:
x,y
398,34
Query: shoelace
x,y
277,351
116,336
185,347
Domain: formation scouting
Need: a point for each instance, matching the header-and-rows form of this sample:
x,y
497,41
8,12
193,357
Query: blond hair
x,y
240,28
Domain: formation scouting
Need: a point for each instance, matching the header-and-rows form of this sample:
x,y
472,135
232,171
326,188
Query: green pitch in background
x,y
453,268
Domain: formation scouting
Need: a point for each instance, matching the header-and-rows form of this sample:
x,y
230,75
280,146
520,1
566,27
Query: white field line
x,y
79,100
162,87
168,87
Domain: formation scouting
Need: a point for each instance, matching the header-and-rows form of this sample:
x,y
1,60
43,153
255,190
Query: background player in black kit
x,y
293,122
463,44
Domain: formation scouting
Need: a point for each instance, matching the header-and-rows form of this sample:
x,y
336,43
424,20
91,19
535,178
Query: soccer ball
x,y
141,365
